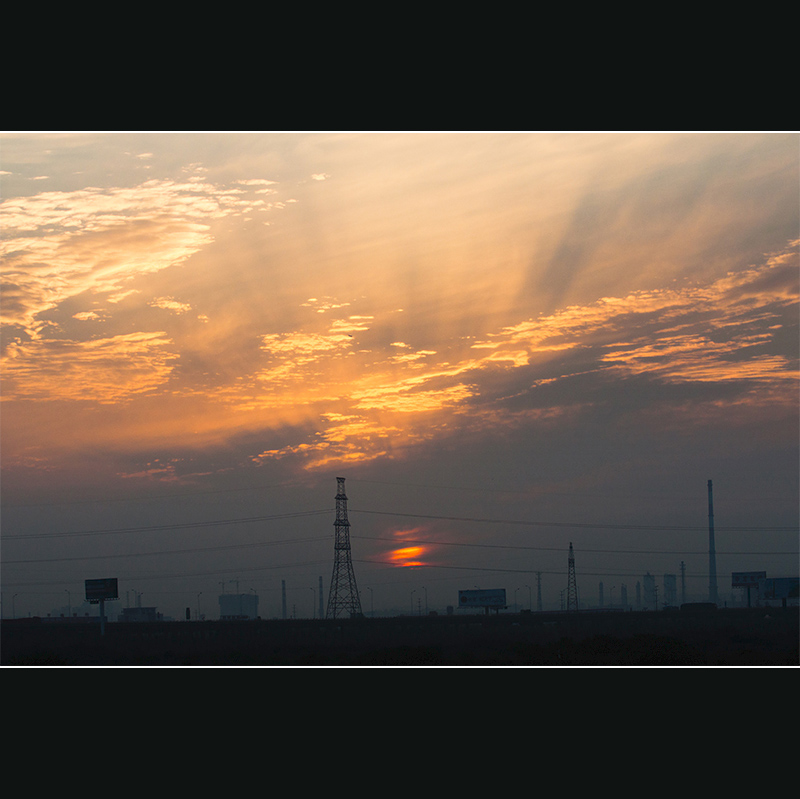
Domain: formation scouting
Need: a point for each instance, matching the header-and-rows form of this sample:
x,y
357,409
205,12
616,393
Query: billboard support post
x,y
747,580
97,592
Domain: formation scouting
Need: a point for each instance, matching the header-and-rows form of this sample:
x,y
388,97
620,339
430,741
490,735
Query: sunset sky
x,y
504,341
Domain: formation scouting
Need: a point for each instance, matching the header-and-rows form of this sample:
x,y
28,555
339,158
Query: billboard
x,y
238,606
97,590
779,588
746,579
482,598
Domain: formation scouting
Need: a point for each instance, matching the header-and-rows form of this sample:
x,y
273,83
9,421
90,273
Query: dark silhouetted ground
x,y
753,637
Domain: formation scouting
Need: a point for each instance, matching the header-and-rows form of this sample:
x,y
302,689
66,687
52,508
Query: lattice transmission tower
x,y
572,588
343,598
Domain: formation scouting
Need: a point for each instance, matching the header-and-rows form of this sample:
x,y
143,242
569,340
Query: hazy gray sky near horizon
x,y
505,341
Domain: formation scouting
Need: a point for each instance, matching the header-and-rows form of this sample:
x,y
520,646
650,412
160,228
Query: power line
x,y
546,492
160,527
428,542
199,550
184,575
537,492
634,574
108,500
301,514
194,550
578,525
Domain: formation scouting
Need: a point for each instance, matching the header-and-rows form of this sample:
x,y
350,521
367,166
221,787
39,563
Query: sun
x,y
407,556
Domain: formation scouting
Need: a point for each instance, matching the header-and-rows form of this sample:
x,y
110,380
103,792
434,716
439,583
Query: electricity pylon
x,y
343,598
572,588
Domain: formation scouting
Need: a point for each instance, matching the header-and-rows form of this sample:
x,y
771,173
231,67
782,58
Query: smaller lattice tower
x,y
343,599
572,588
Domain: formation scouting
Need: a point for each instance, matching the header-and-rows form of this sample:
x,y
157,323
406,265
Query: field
x,y
753,637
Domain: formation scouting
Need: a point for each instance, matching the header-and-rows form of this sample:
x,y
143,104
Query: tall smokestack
x,y
712,552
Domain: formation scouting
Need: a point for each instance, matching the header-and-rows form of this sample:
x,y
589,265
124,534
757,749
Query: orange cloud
x,y
670,334
57,245
371,404
694,358
109,370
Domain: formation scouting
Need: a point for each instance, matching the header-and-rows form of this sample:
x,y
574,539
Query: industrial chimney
x,y
712,552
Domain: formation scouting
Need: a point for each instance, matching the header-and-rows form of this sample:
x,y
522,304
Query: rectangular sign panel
x,y
482,598
746,579
779,588
101,589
